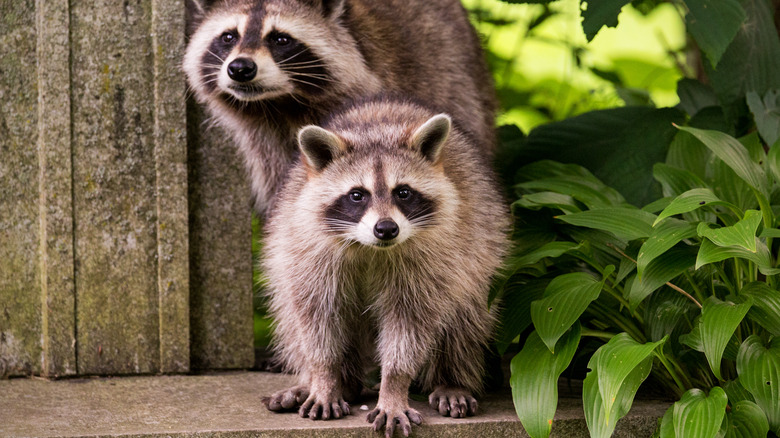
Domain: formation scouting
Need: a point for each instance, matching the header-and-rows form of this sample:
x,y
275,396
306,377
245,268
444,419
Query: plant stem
x,y
597,333
672,370
677,288
692,282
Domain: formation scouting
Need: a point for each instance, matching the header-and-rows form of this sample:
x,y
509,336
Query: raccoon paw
x,y
287,399
389,418
455,402
324,408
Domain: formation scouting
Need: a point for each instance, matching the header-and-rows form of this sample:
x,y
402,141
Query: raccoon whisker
x,y
215,55
300,101
302,51
307,83
311,61
312,64
325,78
299,67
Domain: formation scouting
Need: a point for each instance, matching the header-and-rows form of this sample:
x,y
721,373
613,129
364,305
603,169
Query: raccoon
x,y
265,68
382,245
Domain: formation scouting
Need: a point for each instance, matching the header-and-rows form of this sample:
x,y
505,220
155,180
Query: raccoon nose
x,y
242,70
386,229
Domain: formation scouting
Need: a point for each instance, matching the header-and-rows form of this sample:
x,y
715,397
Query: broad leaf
x,y
535,371
766,113
759,372
752,60
745,420
766,305
666,314
659,271
741,234
719,321
600,13
734,154
565,299
618,145
617,369
624,223
537,201
692,200
675,181
591,194
711,253
714,26
694,96
665,235
736,391
774,161
515,315
695,415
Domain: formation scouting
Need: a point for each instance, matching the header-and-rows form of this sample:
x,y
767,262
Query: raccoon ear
x,y
333,8
319,146
431,136
196,11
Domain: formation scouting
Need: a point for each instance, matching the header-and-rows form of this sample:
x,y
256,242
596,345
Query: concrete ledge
x,y
228,406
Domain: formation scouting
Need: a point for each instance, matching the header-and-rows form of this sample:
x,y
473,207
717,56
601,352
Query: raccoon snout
x,y
386,229
242,70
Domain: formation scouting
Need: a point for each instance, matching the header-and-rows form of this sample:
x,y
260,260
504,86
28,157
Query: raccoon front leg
x,y
405,340
393,406
325,399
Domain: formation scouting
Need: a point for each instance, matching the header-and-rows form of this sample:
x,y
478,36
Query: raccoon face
x,y
380,195
257,50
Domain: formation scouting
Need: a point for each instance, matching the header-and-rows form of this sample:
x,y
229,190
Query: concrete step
x,y
227,405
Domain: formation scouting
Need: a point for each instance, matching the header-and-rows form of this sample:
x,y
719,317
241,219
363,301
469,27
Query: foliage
x,y
655,232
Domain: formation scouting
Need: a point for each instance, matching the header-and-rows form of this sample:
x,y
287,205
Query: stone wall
x,y
124,222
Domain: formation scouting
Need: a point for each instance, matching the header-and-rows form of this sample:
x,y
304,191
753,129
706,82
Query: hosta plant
x,y
684,289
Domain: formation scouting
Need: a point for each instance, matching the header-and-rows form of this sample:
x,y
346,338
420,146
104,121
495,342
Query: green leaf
x,y
734,154
589,193
618,145
676,181
736,391
515,315
624,223
766,113
741,234
711,253
745,420
774,161
534,380
536,201
695,415
691,200
693,338
659,271
759,372
714,25
616,371
719,321
694,96
600,13
752,60
666,314
665,235
766,305
688,153
565,299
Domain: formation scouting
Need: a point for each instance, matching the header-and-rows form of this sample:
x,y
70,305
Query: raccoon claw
x,y
286,399
453,402
390,418
317,409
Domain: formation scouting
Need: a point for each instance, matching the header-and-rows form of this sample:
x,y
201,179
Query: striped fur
x,y
341,297
344,49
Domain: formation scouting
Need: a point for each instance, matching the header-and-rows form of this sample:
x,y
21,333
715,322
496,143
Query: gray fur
x,y
420,305
425,49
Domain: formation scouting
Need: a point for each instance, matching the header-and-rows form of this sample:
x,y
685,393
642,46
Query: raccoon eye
x,y
403,193
228,38
282,39
356,196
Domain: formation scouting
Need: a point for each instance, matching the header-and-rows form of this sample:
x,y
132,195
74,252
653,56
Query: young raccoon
x,y
383,243
265,68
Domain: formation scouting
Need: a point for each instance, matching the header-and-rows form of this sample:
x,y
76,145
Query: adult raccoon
x,y
382,245
265,68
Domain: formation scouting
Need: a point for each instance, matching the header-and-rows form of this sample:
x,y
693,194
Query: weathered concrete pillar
x,y
97,224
